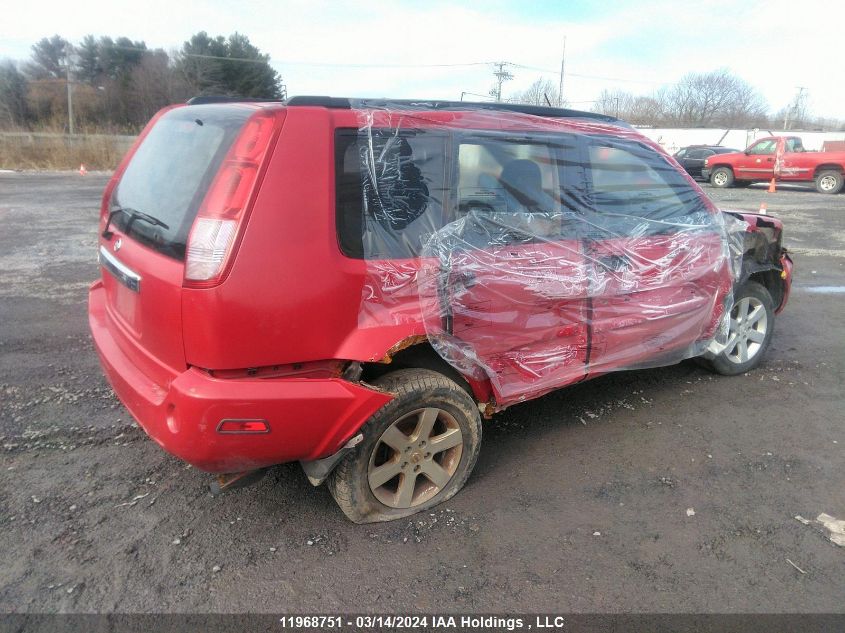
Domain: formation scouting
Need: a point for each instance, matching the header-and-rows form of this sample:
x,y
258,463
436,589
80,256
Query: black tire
x,y
722,177
829,181
416,391
729,362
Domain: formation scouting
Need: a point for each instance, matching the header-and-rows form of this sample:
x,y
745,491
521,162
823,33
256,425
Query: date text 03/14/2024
x,y
423,622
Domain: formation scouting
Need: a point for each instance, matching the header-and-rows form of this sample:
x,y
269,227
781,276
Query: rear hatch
x,y
149,209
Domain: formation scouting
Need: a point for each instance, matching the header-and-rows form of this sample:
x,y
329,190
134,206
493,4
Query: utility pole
x,y
69,91
501,75
793,110
560,87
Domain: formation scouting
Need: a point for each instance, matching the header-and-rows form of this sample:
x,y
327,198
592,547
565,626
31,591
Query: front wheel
x,y
722,177
830,181
751,327
418,449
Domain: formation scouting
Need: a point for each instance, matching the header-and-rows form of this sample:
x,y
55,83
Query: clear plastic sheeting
x,y
536,251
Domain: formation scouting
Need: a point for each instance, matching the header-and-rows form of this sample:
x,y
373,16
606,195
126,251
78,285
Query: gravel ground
x,y
667,490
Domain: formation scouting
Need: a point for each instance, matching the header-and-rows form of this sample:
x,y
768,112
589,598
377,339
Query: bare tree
x,y
639,110
717,98
616,103
541,93
154,84
714,98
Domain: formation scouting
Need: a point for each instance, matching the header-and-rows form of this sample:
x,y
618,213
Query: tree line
x,y
118,84
713,99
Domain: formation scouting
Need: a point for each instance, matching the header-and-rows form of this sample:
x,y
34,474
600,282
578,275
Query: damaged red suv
x,y
355,284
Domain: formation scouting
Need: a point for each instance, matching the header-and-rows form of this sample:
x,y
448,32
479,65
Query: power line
x,y
303,63
571,74
282,62
501,74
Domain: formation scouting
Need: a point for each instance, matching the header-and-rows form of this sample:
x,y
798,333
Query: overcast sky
x,y
381,47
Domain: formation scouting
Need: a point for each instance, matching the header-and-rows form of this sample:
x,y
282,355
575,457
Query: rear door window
x,y
171,171
520,188
507,175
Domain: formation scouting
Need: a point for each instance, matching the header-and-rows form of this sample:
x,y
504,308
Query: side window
x,y
502,175
519,189
699,153
794,145
635,190
763,147
390,190
682,154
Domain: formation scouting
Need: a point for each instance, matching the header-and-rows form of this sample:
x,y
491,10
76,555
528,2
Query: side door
x,y
514,284
695,161
758,161
790,160
656,265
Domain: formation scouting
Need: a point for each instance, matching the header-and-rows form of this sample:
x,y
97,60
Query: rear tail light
x,y
219,224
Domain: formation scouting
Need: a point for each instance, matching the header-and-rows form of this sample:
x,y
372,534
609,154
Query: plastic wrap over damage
x,y
536,251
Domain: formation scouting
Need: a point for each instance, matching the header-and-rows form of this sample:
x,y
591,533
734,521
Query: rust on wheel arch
x,y
405,343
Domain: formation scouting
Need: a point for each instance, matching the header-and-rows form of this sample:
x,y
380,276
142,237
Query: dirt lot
x,y
579,501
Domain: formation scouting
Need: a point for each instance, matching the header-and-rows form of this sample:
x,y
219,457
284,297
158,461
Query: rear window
x,y
171,172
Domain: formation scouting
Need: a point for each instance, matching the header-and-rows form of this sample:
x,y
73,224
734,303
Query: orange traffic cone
x,y
772,186
763,209
82,170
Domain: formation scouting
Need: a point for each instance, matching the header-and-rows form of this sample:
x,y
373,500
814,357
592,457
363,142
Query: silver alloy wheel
x,y
749,325
720,179
827,183
415,458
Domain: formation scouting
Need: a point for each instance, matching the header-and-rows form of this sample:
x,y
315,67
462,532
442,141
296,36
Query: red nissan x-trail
x,y
355,284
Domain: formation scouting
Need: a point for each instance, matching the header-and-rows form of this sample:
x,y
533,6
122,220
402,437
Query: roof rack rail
x,y
204,99
434,104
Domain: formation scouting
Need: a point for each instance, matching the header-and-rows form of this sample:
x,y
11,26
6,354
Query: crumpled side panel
x,y
536,252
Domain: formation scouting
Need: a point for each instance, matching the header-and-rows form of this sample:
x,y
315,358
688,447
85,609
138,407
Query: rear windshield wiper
x,y
133,214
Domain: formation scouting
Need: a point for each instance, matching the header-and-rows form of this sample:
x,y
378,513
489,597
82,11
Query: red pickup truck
x,y
781,157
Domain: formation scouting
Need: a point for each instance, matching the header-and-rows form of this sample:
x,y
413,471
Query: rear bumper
x,y
308,418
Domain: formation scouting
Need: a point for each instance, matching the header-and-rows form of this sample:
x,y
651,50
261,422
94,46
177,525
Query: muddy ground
x,y
579,501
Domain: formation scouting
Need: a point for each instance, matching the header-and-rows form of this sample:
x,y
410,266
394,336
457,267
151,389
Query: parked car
x,y
692,157
781,157
354,284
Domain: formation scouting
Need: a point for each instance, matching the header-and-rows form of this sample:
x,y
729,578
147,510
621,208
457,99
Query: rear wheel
x,y
751,328
829,181
418,449
722,177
